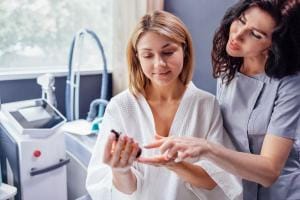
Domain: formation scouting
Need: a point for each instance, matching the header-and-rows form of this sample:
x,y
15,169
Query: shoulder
x,y
200,97
199,94
286,86
122,100
290,84
125,96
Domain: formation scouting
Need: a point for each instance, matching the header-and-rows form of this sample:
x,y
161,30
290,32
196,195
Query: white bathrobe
x,y
198,115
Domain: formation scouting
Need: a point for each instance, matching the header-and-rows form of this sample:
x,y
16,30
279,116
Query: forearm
x,y
252,167
125,182
193,174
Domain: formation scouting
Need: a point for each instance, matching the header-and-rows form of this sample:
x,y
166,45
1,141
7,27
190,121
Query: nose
x,y
159,61
239,34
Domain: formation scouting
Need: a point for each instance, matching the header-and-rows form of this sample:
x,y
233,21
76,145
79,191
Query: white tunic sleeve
x,y
99,175
228,185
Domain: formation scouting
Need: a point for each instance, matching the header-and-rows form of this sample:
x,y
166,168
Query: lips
x,y
234,46
161,73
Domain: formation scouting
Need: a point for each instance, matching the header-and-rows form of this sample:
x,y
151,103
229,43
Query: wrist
x,y
122,177
173,166
124,181
124,171
209,150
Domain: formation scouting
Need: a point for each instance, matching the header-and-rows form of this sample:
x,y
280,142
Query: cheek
x,y
146,70
256,49
177,66
177,62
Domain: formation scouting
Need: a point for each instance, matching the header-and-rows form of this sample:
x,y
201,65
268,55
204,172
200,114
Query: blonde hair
x,y
170,26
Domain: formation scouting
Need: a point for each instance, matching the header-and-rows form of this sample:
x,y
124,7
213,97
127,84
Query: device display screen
x,y
32,114
40,115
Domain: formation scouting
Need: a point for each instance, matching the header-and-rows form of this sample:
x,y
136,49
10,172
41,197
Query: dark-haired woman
x,y
256,56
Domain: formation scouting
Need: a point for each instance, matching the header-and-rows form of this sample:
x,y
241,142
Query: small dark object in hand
x,y
117,134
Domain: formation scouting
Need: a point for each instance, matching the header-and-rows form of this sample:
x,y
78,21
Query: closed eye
x,y
257,36
168,53
147,55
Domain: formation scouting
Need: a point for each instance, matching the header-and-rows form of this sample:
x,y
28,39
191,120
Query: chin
x,y
163,83
232,53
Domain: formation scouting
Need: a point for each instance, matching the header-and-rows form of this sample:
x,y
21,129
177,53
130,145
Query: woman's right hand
x,y
120,154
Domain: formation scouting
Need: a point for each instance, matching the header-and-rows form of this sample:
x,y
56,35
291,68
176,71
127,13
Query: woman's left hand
x,y
158,161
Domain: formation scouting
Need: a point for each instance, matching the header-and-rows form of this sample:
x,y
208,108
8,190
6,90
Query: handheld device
x,y
117,134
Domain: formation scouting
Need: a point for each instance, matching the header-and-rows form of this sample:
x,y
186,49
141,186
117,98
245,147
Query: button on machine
x,y
37,153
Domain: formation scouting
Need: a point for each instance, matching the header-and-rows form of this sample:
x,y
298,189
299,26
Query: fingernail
x,y
169,156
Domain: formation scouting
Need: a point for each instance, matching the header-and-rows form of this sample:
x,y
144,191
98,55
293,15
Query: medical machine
x,y
33,156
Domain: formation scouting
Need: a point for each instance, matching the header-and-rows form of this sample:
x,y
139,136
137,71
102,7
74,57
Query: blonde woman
x,y
161,102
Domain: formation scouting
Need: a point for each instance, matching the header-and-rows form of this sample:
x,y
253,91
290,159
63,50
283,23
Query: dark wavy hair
x,y
284,53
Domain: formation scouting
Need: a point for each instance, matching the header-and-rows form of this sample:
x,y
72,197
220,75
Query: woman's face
x,y
250,35
161,59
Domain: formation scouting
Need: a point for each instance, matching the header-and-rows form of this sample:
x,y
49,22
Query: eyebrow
x,y
258,30
147,49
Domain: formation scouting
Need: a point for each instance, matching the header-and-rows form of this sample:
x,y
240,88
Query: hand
x,y
158,161
182,148
121,154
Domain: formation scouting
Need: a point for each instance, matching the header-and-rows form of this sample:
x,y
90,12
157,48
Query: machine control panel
x,y
36,118
40,115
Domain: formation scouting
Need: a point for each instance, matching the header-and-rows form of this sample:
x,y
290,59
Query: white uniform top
x,y
198,115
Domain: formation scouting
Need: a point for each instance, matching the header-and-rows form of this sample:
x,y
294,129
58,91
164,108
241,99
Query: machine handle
x,y
61,163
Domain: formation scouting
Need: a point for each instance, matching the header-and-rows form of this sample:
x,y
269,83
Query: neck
x,y
169,92
253,66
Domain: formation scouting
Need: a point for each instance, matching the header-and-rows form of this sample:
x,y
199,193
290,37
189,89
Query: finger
x,y
173,150
188,156
108,147
135,149
120,145
152,160
126,152
148,163
172,154
166,146
154,144
180,157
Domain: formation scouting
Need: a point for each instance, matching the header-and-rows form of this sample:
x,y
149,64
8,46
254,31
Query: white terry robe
x,y
198,115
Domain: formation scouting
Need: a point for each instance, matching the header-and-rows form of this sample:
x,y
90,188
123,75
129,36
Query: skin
x,y
188,172
120,155
249,37
162,62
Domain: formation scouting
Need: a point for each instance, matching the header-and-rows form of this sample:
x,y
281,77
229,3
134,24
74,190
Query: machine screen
x,y
34,113
40,115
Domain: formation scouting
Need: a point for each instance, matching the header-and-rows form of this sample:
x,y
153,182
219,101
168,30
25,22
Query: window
x,y
37,34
